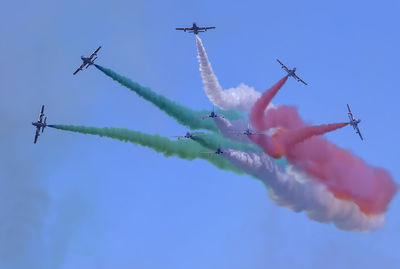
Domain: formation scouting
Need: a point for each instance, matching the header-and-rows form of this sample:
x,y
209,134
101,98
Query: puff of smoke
x,y
295,191
241,98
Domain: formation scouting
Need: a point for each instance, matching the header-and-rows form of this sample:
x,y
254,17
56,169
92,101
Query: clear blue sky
x,y
79,201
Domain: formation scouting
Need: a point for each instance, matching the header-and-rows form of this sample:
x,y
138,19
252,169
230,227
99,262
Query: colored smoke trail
x,y
241,98
189,151
283,140
229,129
291,138
261,105
182,114
345,174
297,192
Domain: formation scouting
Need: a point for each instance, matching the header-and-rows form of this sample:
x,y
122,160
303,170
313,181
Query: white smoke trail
x,y
294,190
241,98
230,129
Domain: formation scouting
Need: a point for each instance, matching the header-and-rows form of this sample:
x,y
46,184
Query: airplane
x,y
248,131
218,152
188,135
354,122
196,29
40,124
87,61
213,115
291,72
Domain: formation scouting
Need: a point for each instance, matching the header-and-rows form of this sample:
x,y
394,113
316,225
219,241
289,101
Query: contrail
x,y
184,115
345,174
241,98
188,150
295,191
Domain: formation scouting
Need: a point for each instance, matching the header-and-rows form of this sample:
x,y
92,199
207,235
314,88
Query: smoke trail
x,y
189,151
229,129
283,140
184,115
345,174
241,98
295,191
291,138
257,112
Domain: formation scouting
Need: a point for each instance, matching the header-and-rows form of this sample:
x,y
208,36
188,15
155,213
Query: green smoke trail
x,y
189,151
184,115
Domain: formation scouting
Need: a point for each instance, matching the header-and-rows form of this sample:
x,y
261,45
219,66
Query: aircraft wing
x,y
359,133
41,114
178,136
350,113
195,135
184,29
348,107
206,28
36,135
283,66
94,53
299,79
211,152
79,68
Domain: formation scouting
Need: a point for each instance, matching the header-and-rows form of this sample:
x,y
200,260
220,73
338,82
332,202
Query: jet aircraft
x,y
354,122
247,132
219,151
40,124
87,61
291,72
188,135
213,115
196,29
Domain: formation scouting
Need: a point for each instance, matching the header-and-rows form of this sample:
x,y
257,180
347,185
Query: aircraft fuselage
x,y
38,124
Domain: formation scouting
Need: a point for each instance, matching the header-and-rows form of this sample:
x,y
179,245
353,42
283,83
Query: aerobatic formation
x,y
302,170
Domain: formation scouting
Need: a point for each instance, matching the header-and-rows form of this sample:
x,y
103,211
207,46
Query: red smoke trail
x,y
346,175
290,138
283,140
262,103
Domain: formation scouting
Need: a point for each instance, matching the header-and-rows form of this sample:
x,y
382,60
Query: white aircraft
x,y
196,29
87,61
248,131
188,135
291,72
354,122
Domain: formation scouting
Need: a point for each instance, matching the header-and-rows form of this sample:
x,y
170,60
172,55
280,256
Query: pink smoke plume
x,y
346,175
262,103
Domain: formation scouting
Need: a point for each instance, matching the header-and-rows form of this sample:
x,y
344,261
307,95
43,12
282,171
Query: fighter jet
x,y
196,29
188,135
87,61
213,115
40,124
354,122
218,152
247,132
291,72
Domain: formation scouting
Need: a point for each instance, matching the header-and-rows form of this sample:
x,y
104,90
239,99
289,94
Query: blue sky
x,y
79,201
